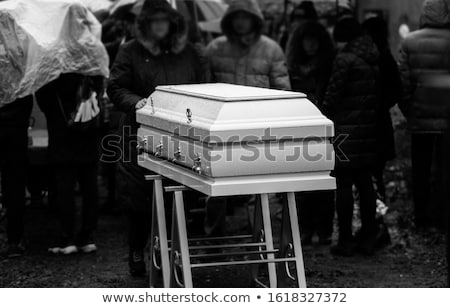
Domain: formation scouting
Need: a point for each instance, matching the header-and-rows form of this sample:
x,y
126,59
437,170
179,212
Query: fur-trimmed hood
x,y
178,37
249,6
435,14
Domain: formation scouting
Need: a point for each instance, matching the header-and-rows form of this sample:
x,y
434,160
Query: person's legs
x,y
344,204
87,178
325,209
437,191
135,195
65,177
344,207
367,205
306,203
421,158
14,170
378,174
215,216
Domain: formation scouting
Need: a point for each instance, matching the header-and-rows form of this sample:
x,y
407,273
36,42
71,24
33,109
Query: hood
x,y
178,36
364,48
249,6
435,14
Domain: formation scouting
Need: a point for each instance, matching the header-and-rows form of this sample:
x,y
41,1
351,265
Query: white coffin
x,y
218,131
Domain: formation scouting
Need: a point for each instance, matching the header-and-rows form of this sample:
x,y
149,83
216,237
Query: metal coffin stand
x,y
212,120
172,259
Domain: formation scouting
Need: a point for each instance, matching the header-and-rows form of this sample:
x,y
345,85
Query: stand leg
x,y
162,228
269,239
258,236
180,258
154,245
262,233
296,240
159,248
286,248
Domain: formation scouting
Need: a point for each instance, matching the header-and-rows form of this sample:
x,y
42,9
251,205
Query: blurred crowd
x,y
347,70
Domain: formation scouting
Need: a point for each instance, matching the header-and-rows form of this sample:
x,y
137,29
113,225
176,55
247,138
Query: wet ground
x,y
412,260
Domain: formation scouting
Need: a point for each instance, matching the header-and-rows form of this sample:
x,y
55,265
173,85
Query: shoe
x,y
66,250
344,249
86,244
89,248
136,263
15,251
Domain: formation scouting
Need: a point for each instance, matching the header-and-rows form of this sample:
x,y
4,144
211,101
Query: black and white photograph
x,y
224,145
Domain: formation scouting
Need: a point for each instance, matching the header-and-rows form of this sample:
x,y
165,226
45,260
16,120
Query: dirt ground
x,y
412,260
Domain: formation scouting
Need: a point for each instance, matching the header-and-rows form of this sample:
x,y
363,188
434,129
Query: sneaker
x,y
136,263
86,244
65,250
88,248
15,251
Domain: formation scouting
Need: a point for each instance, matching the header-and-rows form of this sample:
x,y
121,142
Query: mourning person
x,y
14,122
389,94
351,102
243,55
424,54
160,55
116,31
74,154
302,13
311,53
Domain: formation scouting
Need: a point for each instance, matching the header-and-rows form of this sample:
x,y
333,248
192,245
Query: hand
x,y
141,104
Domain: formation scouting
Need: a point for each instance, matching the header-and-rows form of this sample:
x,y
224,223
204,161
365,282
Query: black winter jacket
x,y
351,102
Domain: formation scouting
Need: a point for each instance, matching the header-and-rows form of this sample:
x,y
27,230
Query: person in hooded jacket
x,y
304,12
389,94
310,58
311,54
425,54
243,55
14,123
159,55
351,103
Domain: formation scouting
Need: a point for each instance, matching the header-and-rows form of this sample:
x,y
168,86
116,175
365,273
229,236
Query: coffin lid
x,y
230,93
225,111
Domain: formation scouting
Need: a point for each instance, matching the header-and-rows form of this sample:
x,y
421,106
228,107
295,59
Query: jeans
x,y
13,167
362,179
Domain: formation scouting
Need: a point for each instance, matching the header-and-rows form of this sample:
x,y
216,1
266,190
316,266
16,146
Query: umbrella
x,y
207,10
121,7
206,13
97,5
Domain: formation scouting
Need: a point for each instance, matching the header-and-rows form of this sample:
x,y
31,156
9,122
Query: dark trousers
x,y
13,167
378,175
65,179
362,179
427,160
316,213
